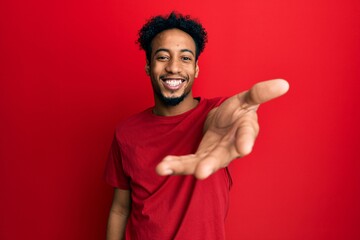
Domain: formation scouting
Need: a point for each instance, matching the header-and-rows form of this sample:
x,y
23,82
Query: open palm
x,y
230,132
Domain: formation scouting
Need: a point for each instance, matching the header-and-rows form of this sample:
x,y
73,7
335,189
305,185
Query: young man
x,y
168,163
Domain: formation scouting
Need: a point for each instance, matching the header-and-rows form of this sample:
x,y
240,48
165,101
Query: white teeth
x,y
173,83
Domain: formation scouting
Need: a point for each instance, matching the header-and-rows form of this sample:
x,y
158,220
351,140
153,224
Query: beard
x,y
171,101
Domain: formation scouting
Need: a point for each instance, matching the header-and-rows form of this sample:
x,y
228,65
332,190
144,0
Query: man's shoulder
x,y
134,120
213,102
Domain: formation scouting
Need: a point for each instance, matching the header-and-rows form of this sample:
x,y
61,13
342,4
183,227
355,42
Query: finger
x,y
245,142
265,91
173,165
246,135
206,168
218,158
250,100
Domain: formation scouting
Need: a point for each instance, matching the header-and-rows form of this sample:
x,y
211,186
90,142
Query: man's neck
x,y
186,105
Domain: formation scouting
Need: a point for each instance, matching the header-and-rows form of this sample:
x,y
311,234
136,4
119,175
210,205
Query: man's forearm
x,y
116,225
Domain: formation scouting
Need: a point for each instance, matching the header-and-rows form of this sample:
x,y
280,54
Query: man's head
x,y
172,45
158,24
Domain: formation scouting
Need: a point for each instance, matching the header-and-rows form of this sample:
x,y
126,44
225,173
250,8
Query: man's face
x,y
173,66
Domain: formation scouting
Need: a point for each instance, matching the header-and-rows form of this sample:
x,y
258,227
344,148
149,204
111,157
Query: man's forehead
x,y
173,38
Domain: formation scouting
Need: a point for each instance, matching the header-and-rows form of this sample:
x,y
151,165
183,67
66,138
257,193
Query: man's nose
x,y
173,66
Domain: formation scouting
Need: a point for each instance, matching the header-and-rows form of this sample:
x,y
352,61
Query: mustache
x,y
174,76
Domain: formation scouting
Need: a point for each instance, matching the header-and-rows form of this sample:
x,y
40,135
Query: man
x,y
168,164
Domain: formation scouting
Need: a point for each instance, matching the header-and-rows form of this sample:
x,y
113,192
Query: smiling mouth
x,y
173,83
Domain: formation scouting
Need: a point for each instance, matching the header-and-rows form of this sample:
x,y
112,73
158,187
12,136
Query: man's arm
x,y
230,132
118,216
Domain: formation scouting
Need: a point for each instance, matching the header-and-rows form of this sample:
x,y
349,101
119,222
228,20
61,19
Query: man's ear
x,y
197,69
147,68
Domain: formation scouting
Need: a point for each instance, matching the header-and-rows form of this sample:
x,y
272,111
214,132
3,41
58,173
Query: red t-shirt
x,y
172,207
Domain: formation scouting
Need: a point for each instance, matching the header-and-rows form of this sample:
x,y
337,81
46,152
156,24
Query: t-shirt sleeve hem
x,y
115,184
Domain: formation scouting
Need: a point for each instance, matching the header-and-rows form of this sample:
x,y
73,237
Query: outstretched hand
x,y
230,132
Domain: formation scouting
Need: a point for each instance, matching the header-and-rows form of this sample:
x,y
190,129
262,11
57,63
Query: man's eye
x,y
186,58
162,58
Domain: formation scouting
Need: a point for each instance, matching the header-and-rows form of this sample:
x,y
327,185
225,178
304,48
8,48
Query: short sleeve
x,y
114,173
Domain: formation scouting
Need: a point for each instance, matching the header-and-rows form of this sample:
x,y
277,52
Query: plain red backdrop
x,y
70,70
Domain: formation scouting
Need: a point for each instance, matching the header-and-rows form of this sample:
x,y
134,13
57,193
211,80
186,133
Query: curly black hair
x,y
160,23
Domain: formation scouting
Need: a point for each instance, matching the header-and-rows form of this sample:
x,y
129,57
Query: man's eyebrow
x,y
167,50
187,50
161,50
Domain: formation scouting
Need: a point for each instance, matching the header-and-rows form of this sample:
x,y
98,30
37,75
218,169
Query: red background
x,y
70,71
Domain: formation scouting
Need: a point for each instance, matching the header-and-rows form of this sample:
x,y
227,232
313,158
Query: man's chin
x,y
171,101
